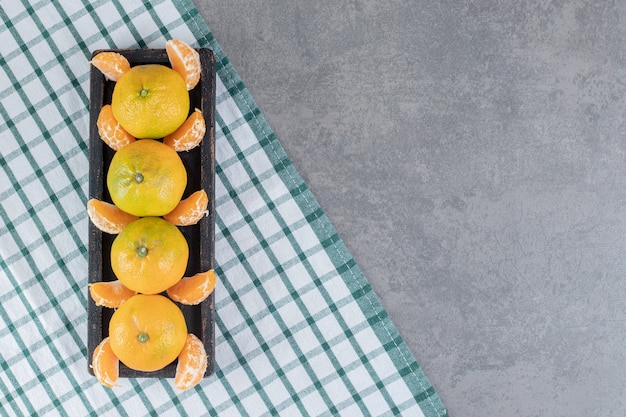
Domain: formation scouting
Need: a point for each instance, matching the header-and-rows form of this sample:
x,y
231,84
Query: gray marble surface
x,y
472,156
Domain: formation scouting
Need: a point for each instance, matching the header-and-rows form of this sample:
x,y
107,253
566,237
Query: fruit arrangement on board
x,y
147,123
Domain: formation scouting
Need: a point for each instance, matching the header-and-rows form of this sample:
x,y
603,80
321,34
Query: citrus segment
x,y
110,130
146,178
105,365
147,332
185,60
107,217
190,210
192,363
189,134
149,255
111,64
193,290
150,101
110,294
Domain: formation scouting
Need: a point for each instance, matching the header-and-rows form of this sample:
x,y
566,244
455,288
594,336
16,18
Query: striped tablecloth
x,y
299,330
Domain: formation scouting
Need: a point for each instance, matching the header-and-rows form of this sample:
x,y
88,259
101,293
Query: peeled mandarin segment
x,y
185,60
193,290
111,64
105,365
108,217
190,210
110,130
110,294
189,134
192,363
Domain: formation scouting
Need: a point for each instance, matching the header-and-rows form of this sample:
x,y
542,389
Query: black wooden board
x,y
200,165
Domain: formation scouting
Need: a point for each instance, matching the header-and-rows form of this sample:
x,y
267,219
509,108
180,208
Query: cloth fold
x,y
299,330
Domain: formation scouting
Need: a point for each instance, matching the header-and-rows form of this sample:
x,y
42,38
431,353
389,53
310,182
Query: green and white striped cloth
x,y
298,329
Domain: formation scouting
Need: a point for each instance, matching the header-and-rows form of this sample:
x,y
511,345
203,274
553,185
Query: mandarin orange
x,y
149,255
150,101
146,178
147,332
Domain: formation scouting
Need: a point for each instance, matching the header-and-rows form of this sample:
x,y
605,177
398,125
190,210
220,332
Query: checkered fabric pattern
x,y
298,329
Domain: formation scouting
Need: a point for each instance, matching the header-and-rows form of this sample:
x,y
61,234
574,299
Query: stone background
x,y
471,156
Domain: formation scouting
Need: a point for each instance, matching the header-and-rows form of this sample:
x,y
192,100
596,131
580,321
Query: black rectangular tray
x,y
200,165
